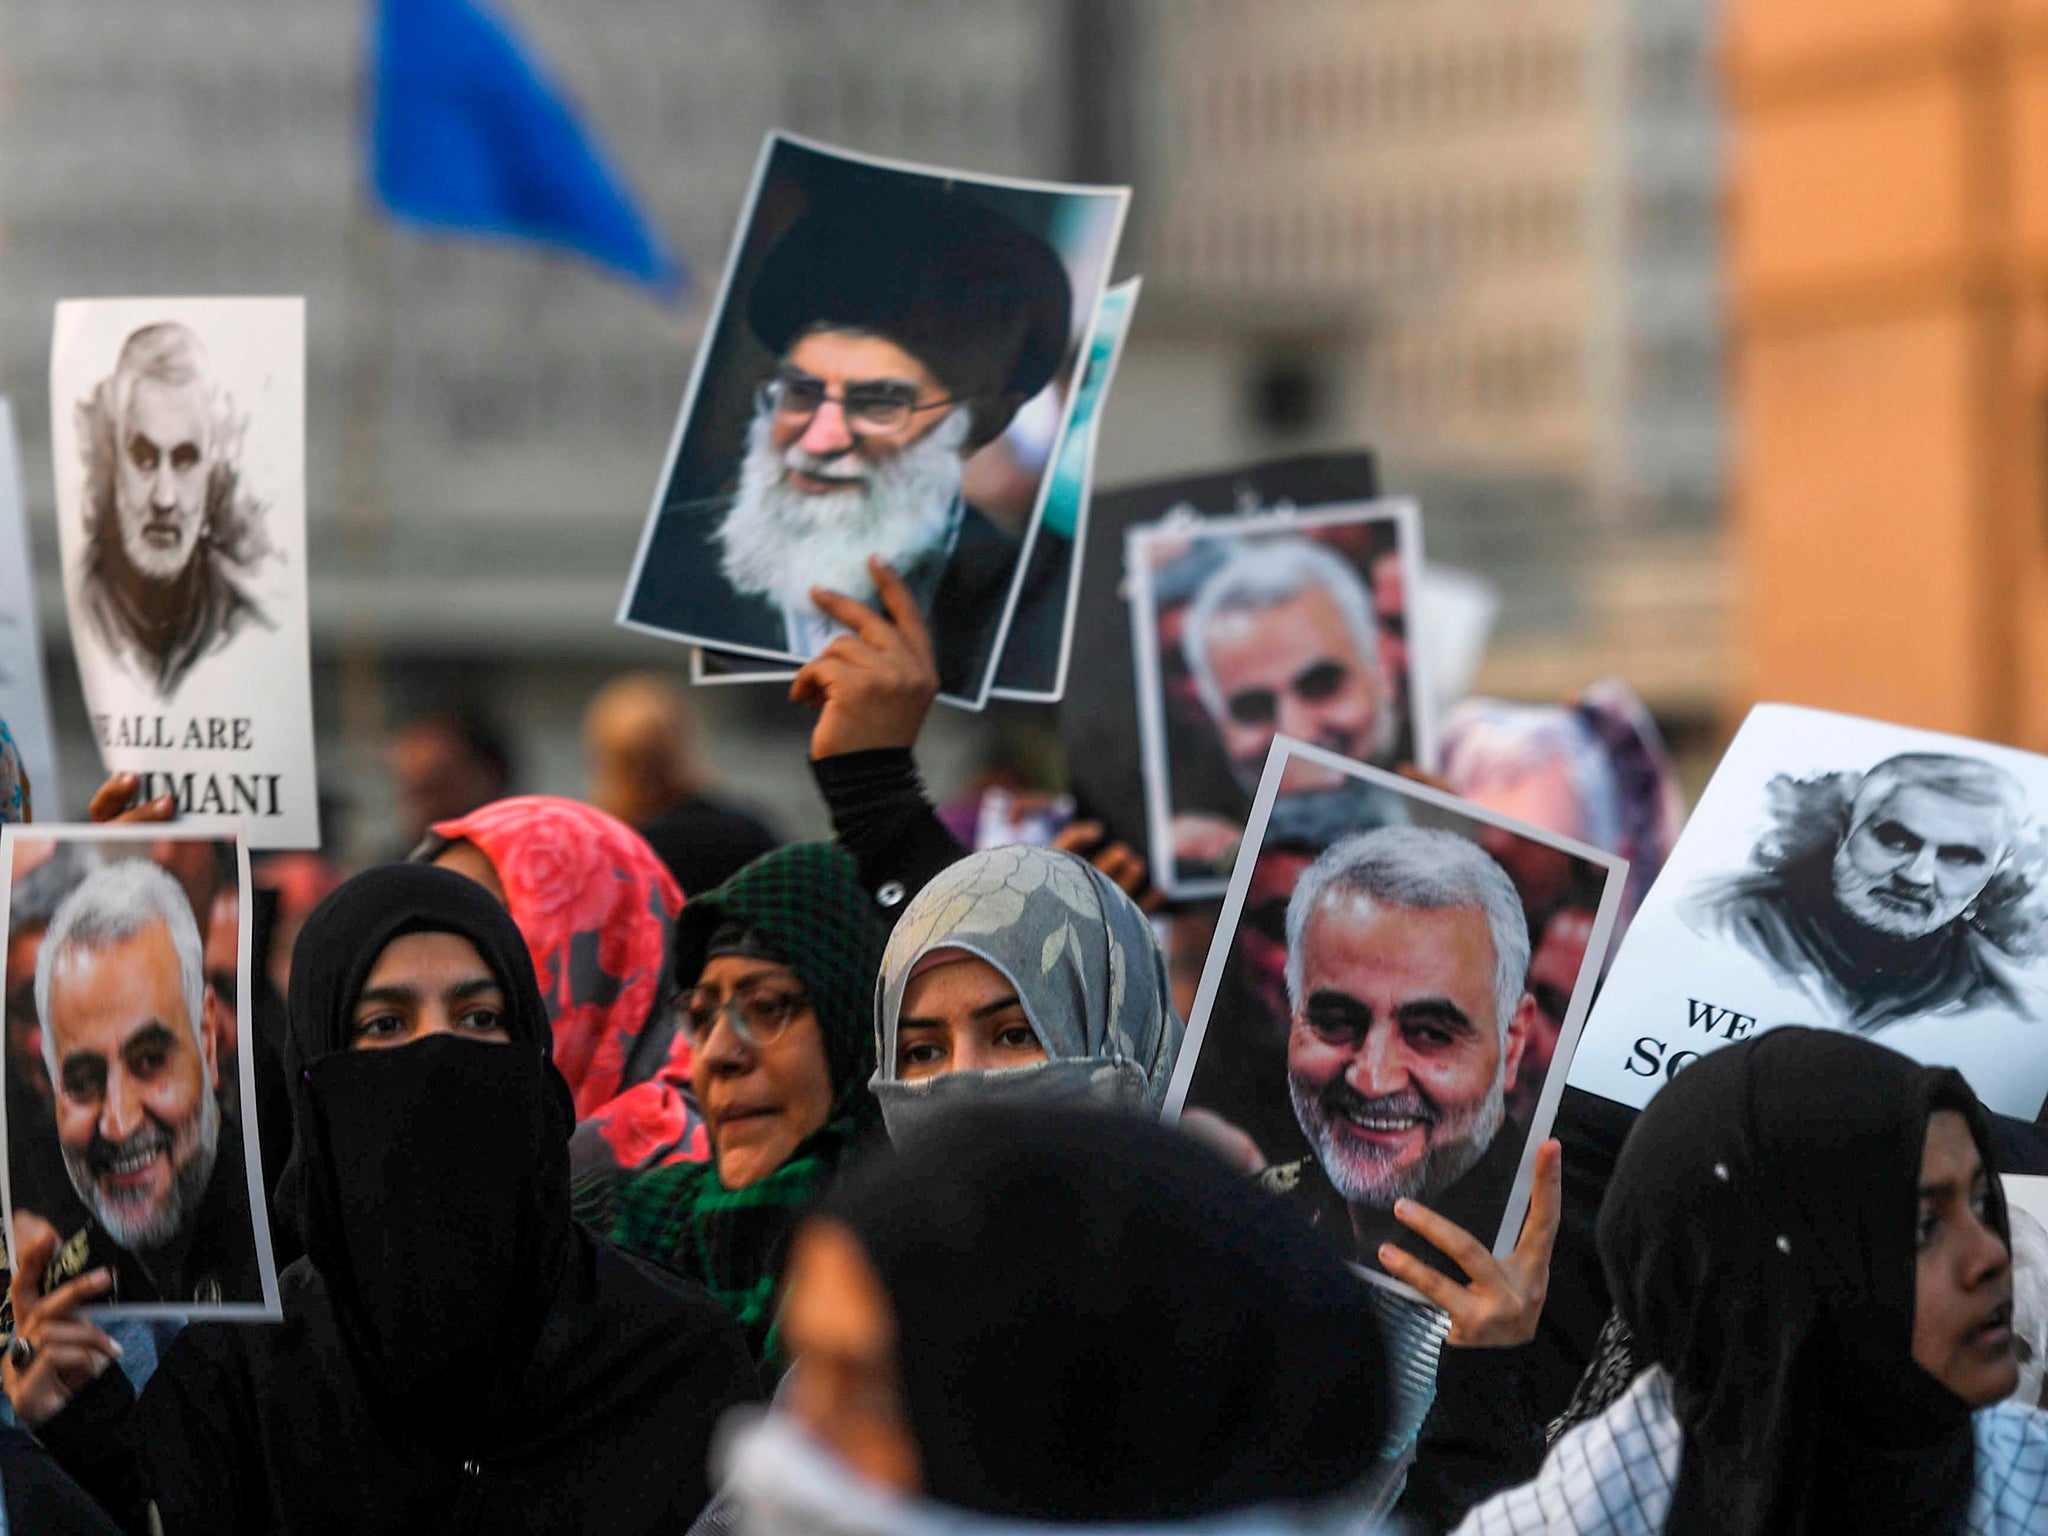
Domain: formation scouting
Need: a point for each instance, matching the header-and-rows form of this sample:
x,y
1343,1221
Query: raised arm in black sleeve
x,y
884,818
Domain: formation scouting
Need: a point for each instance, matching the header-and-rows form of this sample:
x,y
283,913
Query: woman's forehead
x,y
736,970
1949,1154
955,978
427,958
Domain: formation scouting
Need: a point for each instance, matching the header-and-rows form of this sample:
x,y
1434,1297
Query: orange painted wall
x,y
1888,290
1852,530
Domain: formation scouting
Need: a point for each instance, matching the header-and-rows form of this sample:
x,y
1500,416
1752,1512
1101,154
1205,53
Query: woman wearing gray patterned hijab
x,y
1022,974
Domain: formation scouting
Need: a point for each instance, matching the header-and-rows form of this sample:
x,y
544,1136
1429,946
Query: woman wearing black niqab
x,y
456,1354
1797,1224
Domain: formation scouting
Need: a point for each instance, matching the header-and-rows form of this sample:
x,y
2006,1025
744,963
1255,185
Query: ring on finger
x,y
21,1352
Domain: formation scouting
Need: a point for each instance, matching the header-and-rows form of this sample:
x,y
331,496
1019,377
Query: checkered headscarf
x,y
808,903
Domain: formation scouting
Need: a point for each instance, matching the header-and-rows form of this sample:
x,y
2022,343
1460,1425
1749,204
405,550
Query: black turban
x,y
981,302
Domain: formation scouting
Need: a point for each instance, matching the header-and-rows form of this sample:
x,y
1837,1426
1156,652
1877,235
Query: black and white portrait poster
x,y
1026,671
130,1087
1272,623
1848,874
178,428
1390,1004
880,330
24,697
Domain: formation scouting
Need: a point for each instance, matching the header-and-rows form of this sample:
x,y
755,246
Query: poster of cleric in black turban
x,y
1274,623
1026,671
130,1092
178,428
879,329
1388,1008
1848,874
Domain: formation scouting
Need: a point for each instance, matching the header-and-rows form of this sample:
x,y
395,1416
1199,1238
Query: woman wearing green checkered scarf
x,y
777,969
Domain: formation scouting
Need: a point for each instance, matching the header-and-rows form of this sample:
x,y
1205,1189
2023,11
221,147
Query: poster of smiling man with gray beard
x,y
880,328
160,1182
1390,1065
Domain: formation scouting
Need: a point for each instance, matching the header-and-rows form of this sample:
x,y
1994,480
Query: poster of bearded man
x,y
879,327
1026,671
178,434
1279,621
1387,1013
1845,874
130,1084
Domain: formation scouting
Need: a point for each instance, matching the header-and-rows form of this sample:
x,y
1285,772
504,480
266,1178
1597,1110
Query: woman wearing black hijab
x,y
455,1354
1050,1315
1820,1356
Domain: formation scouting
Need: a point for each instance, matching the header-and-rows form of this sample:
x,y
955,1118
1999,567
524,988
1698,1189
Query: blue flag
x,y
467,134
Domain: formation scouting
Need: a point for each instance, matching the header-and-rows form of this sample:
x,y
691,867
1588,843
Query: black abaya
x,y
456,1355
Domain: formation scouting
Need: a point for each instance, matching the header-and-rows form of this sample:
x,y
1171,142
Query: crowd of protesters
x,y
591,1128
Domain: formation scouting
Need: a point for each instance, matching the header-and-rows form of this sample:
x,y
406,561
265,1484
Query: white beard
x,y
779,543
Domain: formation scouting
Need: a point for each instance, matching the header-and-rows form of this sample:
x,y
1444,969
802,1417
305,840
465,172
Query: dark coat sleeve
x,y
92,1439
40,1496
885,820
179,1448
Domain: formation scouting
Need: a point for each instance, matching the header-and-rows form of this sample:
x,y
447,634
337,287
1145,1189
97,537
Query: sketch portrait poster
x,y
129,1109
1389,1006
24,695
1027,671
1275,622
1846,874
178,430
879,329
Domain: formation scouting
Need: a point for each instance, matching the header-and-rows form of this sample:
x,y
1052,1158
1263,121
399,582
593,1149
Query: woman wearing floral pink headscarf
x,y
596,908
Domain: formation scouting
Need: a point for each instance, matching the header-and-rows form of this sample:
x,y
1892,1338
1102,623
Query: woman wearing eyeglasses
x,y
777,968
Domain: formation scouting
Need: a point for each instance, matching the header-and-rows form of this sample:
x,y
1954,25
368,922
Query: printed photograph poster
x,y
1026,671
178,430
1389,1007
880,329
1029,672
1098,723
130,1098
1271,623
1846,874
24,695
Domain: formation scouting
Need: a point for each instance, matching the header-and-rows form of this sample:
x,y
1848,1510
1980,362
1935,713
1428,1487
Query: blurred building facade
x,y
1477,237
1482,238
1889,229
486,424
